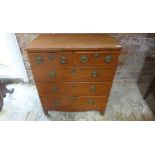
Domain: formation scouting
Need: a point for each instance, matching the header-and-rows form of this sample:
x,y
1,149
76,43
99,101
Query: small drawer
x,y
71,103
96,58
73,74
73,88
50,58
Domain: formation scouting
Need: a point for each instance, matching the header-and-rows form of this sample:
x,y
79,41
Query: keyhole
x,y
96,56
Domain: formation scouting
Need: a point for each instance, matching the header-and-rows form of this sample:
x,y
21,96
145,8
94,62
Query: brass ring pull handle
x,y
108,58
55,89
63,60
93,88
52,74
91,102
39,59
94,74
84,59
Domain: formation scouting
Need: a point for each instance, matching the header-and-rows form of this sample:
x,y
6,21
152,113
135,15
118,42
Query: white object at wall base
x,y
13,49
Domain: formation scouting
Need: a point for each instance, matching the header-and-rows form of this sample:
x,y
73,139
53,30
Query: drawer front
x,y
96,58
73,74
75,104
50,59
73,88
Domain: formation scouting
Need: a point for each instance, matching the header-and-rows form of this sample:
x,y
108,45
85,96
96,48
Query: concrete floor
x,y
125,103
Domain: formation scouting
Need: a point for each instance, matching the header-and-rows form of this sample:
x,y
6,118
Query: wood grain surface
x,y
51,59
73,42
78,104
97,58
73,74
73,88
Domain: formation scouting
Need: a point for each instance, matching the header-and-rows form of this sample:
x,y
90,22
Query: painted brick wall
x,y
132,66
23,40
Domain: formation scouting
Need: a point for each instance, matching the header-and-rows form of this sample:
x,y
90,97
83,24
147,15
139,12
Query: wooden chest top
x,y
73,42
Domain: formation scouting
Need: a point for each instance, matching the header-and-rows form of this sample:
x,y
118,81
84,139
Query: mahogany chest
x,y
73,72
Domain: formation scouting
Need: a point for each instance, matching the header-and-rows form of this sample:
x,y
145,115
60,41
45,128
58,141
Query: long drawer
x,y
73,74
81,103
73,88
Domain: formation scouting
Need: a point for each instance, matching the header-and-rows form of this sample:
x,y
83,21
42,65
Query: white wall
x,y
9,47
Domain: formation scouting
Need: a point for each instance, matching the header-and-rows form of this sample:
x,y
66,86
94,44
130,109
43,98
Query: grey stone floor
x,y
125,103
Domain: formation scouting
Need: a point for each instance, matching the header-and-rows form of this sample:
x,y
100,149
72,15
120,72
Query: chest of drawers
x,y
73,72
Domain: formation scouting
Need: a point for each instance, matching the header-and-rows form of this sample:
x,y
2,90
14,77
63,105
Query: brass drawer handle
x,y
39,59
52,74
63,60
93,88
55,89
91,102
108,58
84,59
94,73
